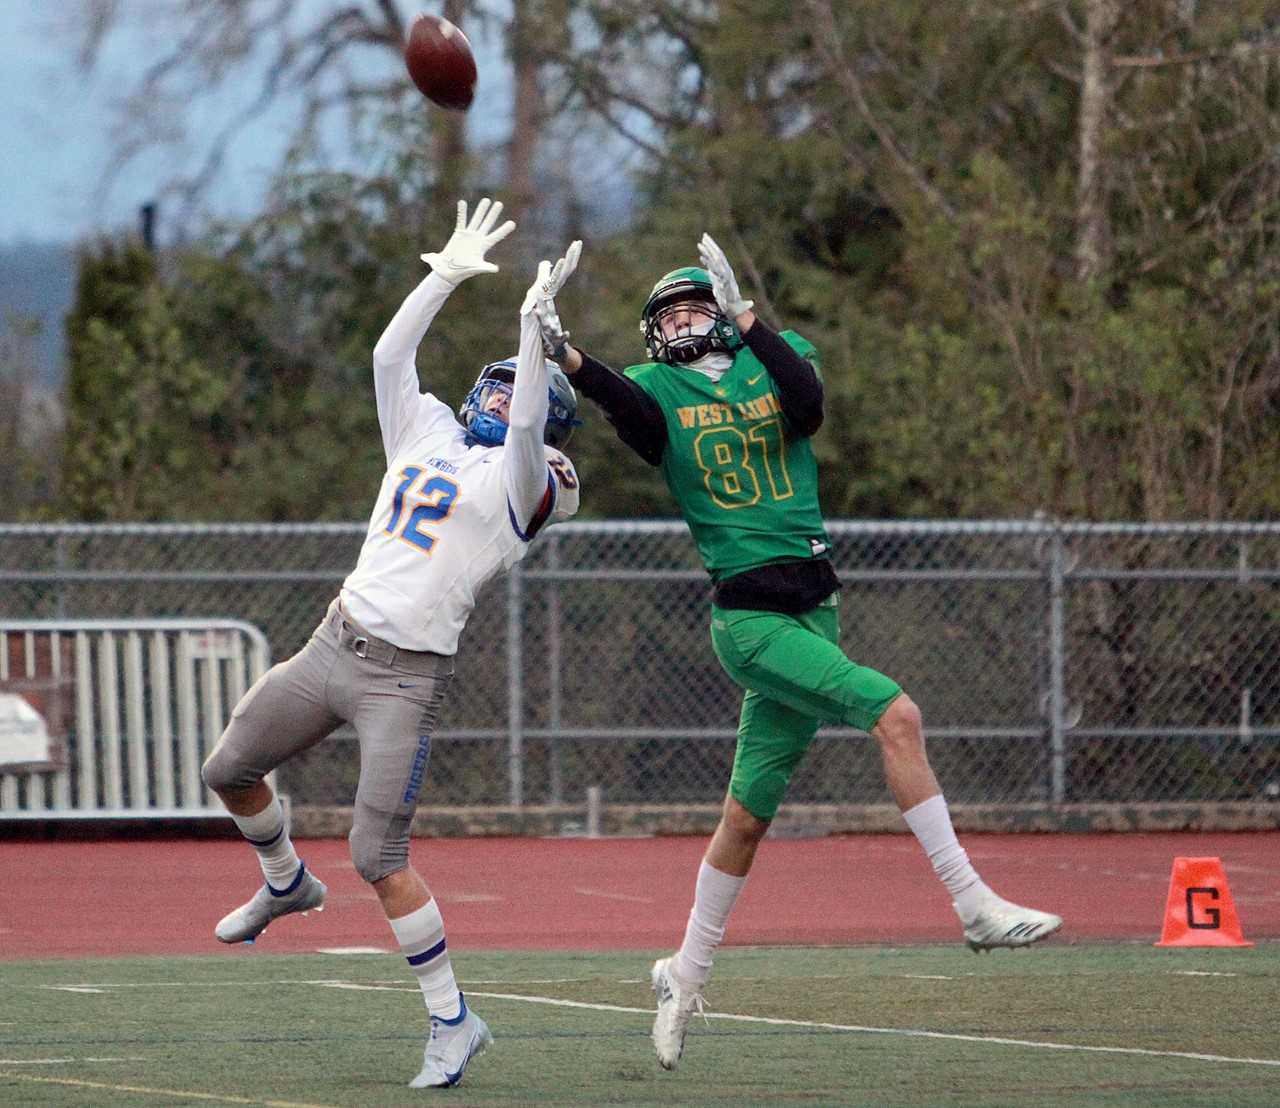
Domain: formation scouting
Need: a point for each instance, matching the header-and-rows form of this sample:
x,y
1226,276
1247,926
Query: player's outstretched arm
x,y
530,486
795,378
395,374
635,415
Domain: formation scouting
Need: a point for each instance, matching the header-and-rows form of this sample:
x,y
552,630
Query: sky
x,y
56,137
54,124
55,130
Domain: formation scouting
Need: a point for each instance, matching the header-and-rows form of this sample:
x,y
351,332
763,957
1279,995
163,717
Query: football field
x,y
1089,1024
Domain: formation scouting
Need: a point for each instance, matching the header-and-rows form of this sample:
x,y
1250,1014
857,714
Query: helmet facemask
x,y
486,427
682,323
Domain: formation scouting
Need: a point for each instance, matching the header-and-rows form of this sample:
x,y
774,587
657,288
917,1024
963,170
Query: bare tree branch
x,y
757,278
217,42
1072,76
825,37
592,81
599,103
393,19
1068,21
1158,61
1092,227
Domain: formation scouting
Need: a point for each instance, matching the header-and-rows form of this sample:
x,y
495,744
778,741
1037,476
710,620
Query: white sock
x,y
421,938
266,833
713,900
931,823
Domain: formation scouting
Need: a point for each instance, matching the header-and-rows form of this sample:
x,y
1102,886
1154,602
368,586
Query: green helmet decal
x,y
679,287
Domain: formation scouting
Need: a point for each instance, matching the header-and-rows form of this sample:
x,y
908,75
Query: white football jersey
x,y
448,516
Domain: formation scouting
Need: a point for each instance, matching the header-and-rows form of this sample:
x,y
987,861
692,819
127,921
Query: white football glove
x,y
540,299
463,255
724,285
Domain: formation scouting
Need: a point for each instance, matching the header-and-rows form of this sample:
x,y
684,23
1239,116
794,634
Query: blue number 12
x,y
435,499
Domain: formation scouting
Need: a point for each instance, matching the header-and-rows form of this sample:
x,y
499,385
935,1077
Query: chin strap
x,y
688,352
722,337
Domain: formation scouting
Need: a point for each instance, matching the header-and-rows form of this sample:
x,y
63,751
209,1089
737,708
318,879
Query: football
x,y
439,59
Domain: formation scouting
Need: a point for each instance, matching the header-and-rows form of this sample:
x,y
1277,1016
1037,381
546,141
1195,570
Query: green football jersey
x,y
747,487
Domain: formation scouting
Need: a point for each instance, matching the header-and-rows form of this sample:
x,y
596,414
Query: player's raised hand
x,y
724,285
540,299
463,255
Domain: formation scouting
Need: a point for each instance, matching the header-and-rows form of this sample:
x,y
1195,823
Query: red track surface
x,y
104,899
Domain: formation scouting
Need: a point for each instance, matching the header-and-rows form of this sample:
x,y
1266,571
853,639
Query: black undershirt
x,y
790,587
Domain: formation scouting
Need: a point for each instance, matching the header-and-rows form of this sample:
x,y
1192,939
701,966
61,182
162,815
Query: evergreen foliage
x,y
144,427
1035,244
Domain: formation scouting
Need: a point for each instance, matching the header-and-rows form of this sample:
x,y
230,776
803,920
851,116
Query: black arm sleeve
x,y
799,387
635,414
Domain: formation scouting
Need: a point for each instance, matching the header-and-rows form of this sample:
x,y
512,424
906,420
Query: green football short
x,y
795,676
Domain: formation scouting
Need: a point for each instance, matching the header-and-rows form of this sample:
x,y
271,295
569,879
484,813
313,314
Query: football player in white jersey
x,y
460,502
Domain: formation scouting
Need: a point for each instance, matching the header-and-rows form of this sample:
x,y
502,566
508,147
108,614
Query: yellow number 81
x,y
724,456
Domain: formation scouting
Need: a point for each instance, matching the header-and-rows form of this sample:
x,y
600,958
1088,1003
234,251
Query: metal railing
x,y
137,703
1055,663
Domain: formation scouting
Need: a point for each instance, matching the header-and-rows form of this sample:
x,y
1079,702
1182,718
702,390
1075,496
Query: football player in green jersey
x,y
725,408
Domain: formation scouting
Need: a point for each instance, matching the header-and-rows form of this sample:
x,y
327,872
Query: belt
x,y
353,637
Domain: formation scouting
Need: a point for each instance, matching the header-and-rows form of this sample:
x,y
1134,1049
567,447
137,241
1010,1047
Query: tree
x,y
332,60
143,440
329,58
1034,239
287,310
29,432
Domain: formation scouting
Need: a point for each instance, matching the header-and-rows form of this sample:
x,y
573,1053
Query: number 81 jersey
x,y
747,485
441,528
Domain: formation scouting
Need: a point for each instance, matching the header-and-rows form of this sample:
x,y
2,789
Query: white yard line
x,y
729,1017
106,986
821,1026
60,1061
912,1032
181,1094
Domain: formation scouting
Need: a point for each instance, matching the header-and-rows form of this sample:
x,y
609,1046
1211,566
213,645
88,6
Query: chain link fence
x,y
1054,663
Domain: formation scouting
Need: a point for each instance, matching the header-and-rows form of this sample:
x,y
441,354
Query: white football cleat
x,y
451,1046
246,923
677,1002
1000,922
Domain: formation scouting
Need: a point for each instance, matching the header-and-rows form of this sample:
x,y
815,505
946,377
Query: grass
x,y
262,1029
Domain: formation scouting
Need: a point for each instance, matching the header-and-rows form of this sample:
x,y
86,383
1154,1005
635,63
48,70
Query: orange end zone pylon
x,y
1200,911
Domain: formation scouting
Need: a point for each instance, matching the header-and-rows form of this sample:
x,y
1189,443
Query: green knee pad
x,y
762,793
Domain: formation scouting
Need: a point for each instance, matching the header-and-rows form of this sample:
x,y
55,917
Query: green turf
x,y
260,1028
